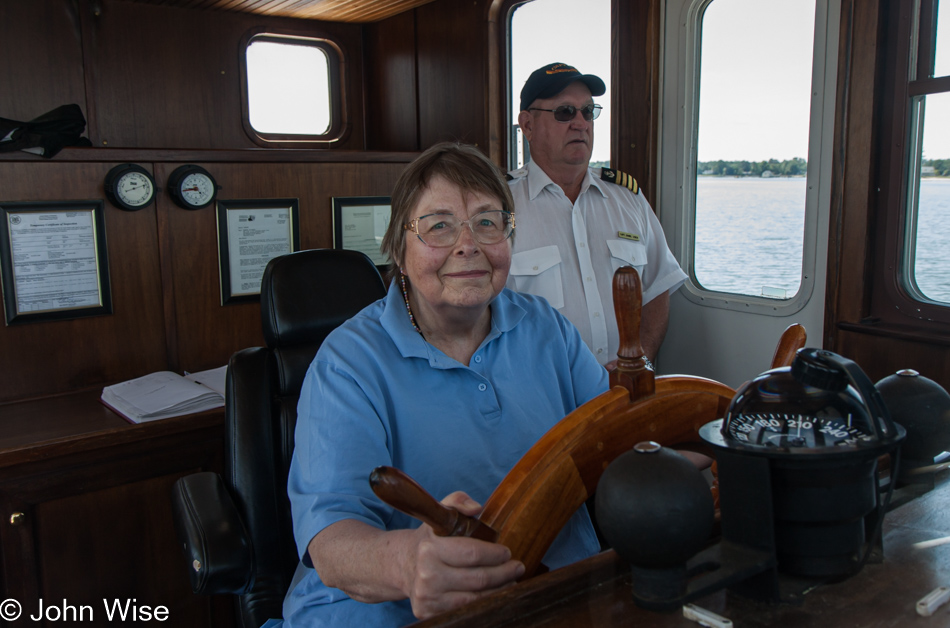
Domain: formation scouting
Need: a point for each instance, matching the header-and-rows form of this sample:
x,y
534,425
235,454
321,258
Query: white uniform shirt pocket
x,y
538,272
627,253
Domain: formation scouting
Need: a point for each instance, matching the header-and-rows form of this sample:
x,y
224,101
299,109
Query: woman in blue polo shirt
x,y
450,378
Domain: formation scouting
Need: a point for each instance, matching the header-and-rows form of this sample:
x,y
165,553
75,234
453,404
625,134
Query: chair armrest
x,y
213,536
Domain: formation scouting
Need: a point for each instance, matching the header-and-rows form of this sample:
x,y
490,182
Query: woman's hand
x,y
436,573
447,572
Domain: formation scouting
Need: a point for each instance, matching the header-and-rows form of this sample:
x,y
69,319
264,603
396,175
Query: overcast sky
x,y
574,32
756,79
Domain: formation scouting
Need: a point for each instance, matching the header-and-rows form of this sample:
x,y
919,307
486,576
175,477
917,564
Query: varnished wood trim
x,y
635,91
89,69
929,86
166,263
495,108
326,10
260,155
122,436
884,330
556,587
847,279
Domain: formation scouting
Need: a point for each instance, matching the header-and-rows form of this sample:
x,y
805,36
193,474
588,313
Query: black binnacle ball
x,y
654,507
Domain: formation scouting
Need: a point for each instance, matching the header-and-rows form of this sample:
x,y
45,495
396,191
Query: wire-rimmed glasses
x,y
438,230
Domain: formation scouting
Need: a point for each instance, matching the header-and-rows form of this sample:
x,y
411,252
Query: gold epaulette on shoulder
x,y
620,178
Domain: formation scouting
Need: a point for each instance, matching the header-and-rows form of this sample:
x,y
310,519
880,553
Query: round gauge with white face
x,y
129,187
192,187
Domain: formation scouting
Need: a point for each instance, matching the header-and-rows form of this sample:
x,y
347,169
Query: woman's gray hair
x,y
460,164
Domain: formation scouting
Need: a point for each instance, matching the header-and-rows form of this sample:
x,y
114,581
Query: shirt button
x,y
599,351
588,278
478,359
596,314
583,245
534,268
482,387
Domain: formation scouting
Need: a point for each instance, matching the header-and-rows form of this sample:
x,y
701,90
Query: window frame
x,y
339,127
510,140
508,9
895,300
684,164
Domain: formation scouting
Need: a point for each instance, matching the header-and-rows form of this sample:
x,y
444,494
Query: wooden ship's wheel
x,y
561,471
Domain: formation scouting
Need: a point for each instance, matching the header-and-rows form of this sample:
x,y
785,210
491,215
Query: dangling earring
x,y
405,297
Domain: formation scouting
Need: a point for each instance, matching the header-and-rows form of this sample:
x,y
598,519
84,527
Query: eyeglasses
x,y
438,230
566,113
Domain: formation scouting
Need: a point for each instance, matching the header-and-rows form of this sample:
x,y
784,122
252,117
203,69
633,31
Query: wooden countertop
x,y
44,428
596,592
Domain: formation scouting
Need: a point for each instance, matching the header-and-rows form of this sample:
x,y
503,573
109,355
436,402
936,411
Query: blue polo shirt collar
x,y
505,316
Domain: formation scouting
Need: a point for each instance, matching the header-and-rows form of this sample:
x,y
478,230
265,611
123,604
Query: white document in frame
x,y
363,229
54,260
255,237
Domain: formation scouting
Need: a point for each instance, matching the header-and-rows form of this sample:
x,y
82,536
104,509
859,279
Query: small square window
x,y
291,87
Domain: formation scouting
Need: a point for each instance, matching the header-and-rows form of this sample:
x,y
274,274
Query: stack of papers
x,y
165,394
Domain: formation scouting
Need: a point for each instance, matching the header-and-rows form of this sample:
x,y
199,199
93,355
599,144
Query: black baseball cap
x,y
551,81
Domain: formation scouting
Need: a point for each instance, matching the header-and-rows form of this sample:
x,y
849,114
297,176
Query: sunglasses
x,y
566,113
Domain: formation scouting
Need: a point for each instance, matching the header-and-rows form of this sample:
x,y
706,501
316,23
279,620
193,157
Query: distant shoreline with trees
x,y
795,167
941,168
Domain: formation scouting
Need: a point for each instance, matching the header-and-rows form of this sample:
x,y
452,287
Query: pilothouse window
x,y
565,31
927,253
942,48
754,103
928,213
292,89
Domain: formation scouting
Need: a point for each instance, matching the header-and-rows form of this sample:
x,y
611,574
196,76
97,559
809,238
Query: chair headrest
x,y
307,294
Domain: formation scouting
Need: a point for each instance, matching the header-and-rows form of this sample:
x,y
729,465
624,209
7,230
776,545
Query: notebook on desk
x,y
165,394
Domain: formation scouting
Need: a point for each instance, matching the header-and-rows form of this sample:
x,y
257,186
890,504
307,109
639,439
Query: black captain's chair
x,y
237,531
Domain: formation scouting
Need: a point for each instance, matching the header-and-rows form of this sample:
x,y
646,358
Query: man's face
x,y
557,144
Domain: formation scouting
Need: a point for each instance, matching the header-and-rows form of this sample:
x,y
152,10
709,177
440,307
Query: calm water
x,y
749,236
932,267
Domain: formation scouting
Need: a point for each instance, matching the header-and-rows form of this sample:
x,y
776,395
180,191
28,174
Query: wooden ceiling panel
x,y
328,10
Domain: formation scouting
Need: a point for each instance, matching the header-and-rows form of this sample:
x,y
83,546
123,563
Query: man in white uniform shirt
x,y
577,225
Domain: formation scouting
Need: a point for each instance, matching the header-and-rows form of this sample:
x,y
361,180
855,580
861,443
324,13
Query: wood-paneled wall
x,y
867,175
148,76
43,358
163,262
427,77
208,333
392,109
160,87
636,48
41,52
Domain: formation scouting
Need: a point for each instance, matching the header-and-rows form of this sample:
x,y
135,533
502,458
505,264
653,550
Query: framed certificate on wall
x,y
359,223
250,234
53,261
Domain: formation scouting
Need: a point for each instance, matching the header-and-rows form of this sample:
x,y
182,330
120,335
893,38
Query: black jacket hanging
x,y
48,133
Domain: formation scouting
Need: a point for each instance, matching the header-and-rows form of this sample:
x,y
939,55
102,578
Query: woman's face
x,y
467,274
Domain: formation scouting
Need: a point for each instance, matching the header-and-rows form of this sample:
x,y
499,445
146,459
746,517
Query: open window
x,y
292,90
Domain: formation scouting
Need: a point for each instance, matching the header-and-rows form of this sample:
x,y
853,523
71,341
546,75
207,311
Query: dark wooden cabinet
x,y
86,507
